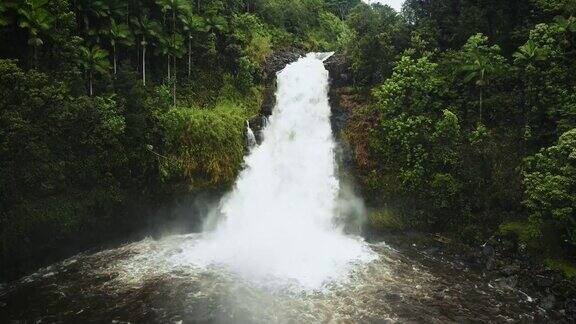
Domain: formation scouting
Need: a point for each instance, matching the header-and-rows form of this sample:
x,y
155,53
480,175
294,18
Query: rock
x,y
269,100
392,296
489,263
506,282
570,307
488,250
278,60
274,63
510,270
338,68
543,281
432,250
489,253
548,302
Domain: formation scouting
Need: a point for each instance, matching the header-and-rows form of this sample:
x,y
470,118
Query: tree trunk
x,y
174,84
481,98
87,23
144,63
90,84
137,57
189,56
35,51
169,74
114,55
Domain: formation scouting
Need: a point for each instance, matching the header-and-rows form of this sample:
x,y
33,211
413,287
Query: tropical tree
x,y
550,190
566,24
35,18
148,30
176,7
190,24
171,47
480,64
97,8
176,50
342,7
93,60
529,53
163,49
120,34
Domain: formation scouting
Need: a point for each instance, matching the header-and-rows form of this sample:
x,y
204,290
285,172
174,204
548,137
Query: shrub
x,y
550,181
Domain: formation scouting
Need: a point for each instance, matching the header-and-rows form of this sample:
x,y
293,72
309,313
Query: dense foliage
x,y
111,110
470,126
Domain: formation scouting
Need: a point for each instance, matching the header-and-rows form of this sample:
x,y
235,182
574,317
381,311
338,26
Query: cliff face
x,y
275,62
340,79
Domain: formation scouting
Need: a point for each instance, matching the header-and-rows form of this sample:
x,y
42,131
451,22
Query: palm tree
x,y
176,50
35,18
164,49
177,7
191,23
97,8
93,60
148,29
477,71
481,63
119,34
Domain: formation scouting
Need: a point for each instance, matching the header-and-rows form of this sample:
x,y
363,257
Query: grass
x,y
385,220
566,267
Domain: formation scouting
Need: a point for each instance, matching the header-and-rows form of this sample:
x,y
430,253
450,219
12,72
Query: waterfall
x,y
250,137
277,225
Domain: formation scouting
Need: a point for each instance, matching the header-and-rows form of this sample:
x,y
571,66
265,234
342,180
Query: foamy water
x,y
277,225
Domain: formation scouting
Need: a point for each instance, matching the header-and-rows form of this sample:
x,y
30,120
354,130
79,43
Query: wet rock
x,y
488,250
278,60
570,307
339,70
506,282
274,63
510,270
543,281
548,302
432,250
392,296
269,99
488,253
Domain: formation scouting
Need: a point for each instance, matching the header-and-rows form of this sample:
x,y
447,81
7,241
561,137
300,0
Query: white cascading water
x,y
250,137
277,226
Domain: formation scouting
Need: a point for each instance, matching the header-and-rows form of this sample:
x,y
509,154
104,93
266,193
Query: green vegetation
x,y
384,220
465,122
110,110
568,269
470,127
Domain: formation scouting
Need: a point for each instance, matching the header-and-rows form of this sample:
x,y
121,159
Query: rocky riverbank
x,y
500,265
